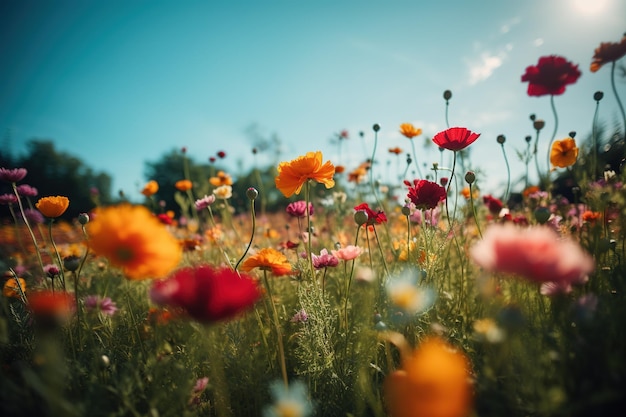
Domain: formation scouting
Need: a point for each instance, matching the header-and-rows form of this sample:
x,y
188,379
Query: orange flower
x,y
564,153
11,288
339,169
150,188
51,307
395,150
591,216
222,178
358,174
409,131
530,190
608,52
292,175
53,206
465,192
134,240
433,382
268,259
183,185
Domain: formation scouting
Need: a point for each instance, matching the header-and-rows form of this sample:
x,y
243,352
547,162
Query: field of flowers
x,y
346,302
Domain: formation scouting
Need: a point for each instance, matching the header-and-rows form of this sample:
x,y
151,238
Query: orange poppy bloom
x,y
53,206
339,169
395,150
409,131
433,381
530,190
11,288
133,239
465,192
608,52
150,188
183,185
268,259
564,153
220,179
292,175
591,216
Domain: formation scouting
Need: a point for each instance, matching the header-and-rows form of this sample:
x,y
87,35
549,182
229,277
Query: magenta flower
x,y
324,260
51,270
103,305
7,199
536,254
12,175
300,317
348,253
298,209
205,202
34,216
426,217
26,190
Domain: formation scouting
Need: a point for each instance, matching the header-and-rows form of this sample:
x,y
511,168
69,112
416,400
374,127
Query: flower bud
x,y
447,95
598,95
528,139
572,134
539,124
252,193
533,117
71,263
406,210
360,217
542,214
376,127
83,218
470,177
501,139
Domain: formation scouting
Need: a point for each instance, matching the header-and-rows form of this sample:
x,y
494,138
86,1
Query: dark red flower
x,y
165,219
493,204
212,159
221,154
207,294
550,76
455,138
425,194
608,52
373,217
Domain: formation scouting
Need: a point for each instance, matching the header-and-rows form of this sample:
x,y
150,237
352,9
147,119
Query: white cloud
x,y
506,26
538,42
483,68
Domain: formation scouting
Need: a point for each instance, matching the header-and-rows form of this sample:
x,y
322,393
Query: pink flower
x,y
298,209
104,305
12,175
535,253
204,202
324,260
348,253
26,190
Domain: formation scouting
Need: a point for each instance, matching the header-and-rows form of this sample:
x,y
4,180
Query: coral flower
x,y
409,131
535,253
608,52
493,204
299,209
425,194
358,174
550,76
348,253
432,382
150,189
53,206
11,288
183,185
292,175
268,259
455,138
50,307
564,153
221,178
134,240
207,294
395,150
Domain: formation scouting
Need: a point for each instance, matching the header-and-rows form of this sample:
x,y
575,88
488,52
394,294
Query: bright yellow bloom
x,y
409,131
133,239
221,178
52,206
292,175
183,185
11,289
268,259
564,153
150,188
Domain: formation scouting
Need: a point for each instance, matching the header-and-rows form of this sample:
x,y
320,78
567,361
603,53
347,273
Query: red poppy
x,y
550,76
51,308
493,204
455,138
608,52
373,217
425,194
207,294
221,154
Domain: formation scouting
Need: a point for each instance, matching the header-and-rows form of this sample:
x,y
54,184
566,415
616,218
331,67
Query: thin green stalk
x,y
594,138
251,234
536,153
508,175
219,242
619,102
279,334
474,210
30,230
18,235
556,126
382,254
307,197
419,171
58,255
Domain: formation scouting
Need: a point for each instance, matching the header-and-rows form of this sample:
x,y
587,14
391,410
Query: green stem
x,y
619,102
594,149
419,172
58,256
30,230
508,175
556,126
307,197
279,334
474,211
251,234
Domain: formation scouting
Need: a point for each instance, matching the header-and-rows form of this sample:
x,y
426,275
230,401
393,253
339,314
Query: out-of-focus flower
x,y
550,76
493,204
564,153
395,150
151,188
552,289
198,389
373,217
26,190
487,329
223,192
71,263
433,381
104,305
207,294
405,293
324,260
165,218
134,240
348,253
425,194
455,138
51,270
535,253
589,216
205,202
409,131
531,190
289,402
364,274
221,178
53,207
183,185
293,174
299,209
300,317
221,154
465,192
12,175
608,52
34,216
268,259
339,169
13,288
51,307
585,307
7,199
359,173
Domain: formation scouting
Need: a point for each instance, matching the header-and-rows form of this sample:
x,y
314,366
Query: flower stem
x,y
307,198
279,334
474,209
594,149
56,251
30,230
556,126
251,234
508,175
619,102
419,172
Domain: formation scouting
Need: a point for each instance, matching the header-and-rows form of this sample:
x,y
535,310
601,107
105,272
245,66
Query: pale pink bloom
x,y
348,253
535,253
324,260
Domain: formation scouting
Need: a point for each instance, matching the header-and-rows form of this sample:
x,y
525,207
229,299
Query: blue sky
x,y
121,82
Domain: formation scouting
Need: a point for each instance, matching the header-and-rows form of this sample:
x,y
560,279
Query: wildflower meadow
x,y
422,296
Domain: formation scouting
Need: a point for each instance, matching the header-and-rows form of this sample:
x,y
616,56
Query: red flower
x,y
372,216
207,294
493,204
455,138
608,52
221,154
425,194
550,76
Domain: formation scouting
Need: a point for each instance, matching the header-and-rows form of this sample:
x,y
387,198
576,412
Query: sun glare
x,y
590,7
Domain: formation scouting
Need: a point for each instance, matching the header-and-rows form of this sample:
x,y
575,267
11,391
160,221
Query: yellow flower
x,y
150,188
409,131
268,259
223,192
222,178
133,239
292,175
53,206
183,185
11,289
564,153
